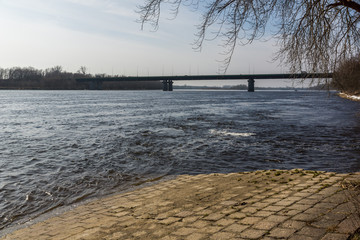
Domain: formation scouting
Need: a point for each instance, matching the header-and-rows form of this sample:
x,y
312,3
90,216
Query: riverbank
x,y
350,97
294,204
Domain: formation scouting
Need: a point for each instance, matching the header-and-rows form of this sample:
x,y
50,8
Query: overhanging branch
x,y
346,3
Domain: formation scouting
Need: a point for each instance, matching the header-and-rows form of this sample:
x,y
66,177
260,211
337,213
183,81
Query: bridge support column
x,y
167,85
170,85
251,85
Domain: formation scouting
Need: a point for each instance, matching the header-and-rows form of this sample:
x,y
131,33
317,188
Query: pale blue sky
x,y
103,35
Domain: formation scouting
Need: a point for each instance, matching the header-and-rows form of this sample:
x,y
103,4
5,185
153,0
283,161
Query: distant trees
x,y
31,78
56,78
18,73
347,76
82,70
313,35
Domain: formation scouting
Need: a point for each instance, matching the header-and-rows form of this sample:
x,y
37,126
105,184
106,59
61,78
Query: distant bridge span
x,y
96,83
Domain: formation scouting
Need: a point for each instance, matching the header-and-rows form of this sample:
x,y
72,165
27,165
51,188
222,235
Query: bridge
x,y
96,83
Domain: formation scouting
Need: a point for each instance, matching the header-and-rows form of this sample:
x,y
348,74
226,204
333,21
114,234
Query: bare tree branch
x,y
350,4
313,35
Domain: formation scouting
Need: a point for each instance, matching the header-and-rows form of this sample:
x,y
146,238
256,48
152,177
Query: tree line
x,y
56,78
347,76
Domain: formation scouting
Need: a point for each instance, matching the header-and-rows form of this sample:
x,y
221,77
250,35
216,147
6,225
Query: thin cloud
x,y
104,34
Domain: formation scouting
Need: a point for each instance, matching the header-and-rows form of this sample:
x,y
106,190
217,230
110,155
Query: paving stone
x,y
276,218
139,234
289,212
229,203
336,198
273,208
304,217
169,220
335,236
237,215
211,229
184,214
159,233
285,202
263,214
250,220
185,231
204,212
302,237
346,208
292,224
349,225
325,205
196,236
222,236
200,224
328,191
249,210
190,219
272,200
295,199
325,223
308,201
281,232
313,232
302,194
300,207
225,222
315,211
117,235
214,216
265,225
121,214
126,223
237,228
252,233
260,205
169,238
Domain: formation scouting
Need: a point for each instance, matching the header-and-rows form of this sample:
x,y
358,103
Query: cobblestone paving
x,y
270,204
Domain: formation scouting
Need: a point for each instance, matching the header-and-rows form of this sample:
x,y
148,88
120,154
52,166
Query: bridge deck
x,y
211,77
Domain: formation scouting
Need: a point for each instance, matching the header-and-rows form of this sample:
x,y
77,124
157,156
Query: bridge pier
x,y
165,86
168,85
251,85
171,88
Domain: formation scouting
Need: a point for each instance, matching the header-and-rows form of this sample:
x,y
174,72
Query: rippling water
x,y
60,147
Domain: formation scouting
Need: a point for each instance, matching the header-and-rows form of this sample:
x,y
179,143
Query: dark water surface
x,y
60,147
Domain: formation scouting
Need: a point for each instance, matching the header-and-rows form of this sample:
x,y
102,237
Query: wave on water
x,y
234,134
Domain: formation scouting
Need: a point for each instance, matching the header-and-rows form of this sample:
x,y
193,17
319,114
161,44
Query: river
x,y
62,147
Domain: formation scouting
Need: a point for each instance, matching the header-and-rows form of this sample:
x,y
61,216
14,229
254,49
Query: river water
x,y
61,147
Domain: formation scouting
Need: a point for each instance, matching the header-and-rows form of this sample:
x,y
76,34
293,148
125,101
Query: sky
x,y
106,37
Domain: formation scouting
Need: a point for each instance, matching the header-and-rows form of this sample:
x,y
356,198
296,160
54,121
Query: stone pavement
x,y
272,204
